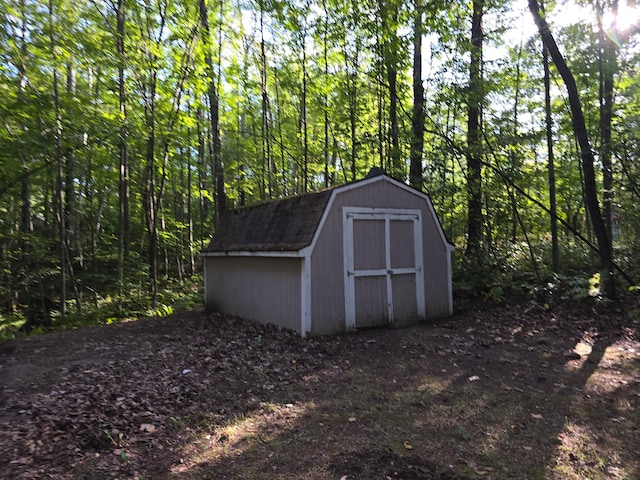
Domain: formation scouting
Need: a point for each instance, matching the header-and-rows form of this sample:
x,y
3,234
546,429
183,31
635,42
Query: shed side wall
x,y
262,289
327,286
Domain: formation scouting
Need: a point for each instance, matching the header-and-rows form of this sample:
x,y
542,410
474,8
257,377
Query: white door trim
x,y
349,214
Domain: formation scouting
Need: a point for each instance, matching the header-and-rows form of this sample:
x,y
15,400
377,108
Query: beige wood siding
x,y
327,285
405,307
263,289
371,305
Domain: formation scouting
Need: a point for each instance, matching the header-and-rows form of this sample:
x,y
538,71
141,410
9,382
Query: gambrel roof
x,y
287,224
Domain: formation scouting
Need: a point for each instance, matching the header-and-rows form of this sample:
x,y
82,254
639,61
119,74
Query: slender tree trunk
x,y
123,155
26,224
352,66
60,162
303,117
608,67
553,209
383,160
89,184
382,154
394,131
474,137
218,168
266,142
328,173
192,260
286,187
202,175
389,59
580,130
516,219
72,230
417,121
151,208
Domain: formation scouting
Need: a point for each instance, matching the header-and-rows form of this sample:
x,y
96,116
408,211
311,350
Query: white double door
x,y
383,266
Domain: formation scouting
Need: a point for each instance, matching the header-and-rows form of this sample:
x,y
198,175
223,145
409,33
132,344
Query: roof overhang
x,y
256,253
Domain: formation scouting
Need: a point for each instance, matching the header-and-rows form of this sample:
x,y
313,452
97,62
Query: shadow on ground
x,y
502,393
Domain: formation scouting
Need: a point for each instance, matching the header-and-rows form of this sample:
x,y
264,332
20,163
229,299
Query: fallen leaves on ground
x,y
199,395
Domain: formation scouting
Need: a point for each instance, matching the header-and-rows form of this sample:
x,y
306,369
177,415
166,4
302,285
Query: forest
x,y
130,127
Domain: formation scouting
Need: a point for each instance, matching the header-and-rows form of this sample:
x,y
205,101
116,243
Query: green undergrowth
x,y
517,272
136,303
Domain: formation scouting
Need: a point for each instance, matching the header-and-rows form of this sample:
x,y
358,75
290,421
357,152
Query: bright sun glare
x,y
570,12
628,16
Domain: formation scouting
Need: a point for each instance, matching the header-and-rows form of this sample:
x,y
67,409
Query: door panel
x,y
402,244
384,277
405,305
371,302
368,236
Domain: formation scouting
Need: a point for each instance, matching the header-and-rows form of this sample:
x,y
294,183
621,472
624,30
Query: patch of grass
x,y
10,326
173,297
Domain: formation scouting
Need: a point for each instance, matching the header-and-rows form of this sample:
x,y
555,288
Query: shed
x,y
367,253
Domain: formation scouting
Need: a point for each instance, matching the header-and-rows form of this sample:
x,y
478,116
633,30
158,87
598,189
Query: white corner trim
x,y
206,289
348,268
305,296
449,279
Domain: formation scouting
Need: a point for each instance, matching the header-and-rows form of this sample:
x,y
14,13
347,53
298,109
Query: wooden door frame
x,y
349,214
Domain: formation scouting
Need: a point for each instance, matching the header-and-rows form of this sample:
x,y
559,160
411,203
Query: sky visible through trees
x,y
129,127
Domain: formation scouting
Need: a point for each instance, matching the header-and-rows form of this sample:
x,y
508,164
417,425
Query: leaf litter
x,y
488,393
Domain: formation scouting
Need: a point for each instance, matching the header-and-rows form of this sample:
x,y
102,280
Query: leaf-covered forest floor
x,y
509,392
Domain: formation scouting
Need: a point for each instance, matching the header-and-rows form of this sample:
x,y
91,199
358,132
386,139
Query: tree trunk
x,y
303,119
151,208
328,173
26,224
123,179
60,173
352,88
202,175
474,136
580,130
390,54
72,229
417,120
553,209
267,167
396,163
608,67
212,91
192,260
516,218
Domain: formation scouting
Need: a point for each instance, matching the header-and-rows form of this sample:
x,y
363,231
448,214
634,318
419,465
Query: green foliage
x,y
11,326
105,311
303,103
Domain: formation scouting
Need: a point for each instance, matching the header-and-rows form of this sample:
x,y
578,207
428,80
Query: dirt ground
x,y
509,392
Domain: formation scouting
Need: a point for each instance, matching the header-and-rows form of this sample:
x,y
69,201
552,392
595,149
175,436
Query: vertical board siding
x,y
368,241
327,288
402,244
263,289
405,306
371,304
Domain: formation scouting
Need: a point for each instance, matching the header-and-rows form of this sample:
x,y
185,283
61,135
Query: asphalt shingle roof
x,y
286,224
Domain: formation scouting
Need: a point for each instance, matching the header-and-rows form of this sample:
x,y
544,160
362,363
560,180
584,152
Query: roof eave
x,y
256,253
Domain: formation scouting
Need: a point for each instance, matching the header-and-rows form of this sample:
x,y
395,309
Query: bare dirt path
x,y
505,392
